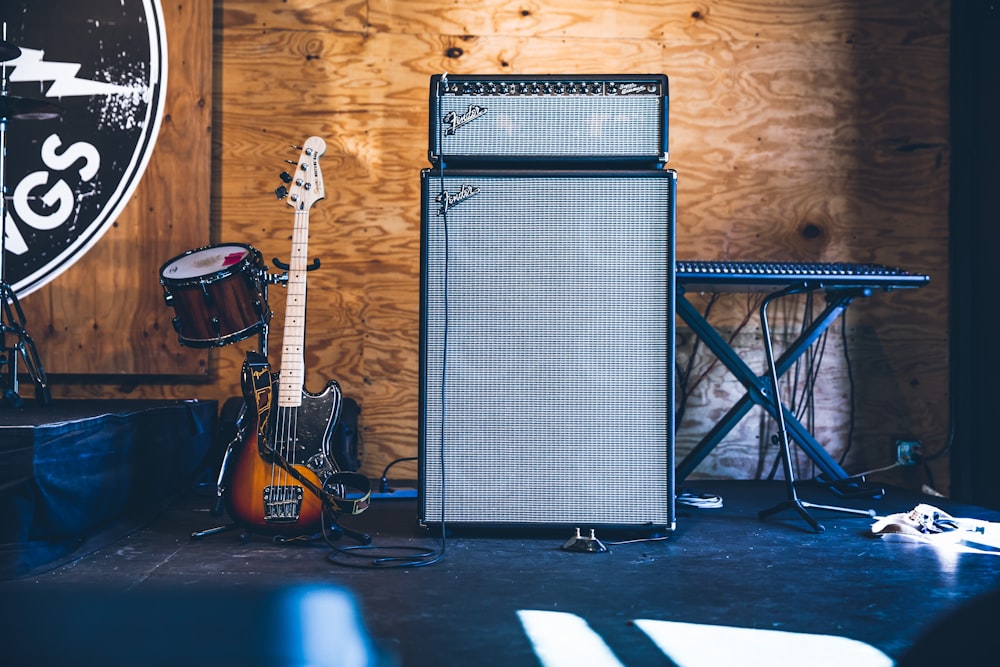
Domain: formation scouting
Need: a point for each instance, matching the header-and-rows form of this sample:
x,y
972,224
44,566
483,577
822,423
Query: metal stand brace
x,y
793,501
759,390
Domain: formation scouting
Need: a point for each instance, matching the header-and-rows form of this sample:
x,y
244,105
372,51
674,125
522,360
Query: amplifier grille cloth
x,y
558,378
554,127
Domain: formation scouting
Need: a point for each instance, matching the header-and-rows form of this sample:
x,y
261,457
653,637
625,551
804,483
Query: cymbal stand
x,y
11,316
793,501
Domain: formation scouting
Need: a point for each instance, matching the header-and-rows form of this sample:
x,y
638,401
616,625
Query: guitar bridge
x,y
282,503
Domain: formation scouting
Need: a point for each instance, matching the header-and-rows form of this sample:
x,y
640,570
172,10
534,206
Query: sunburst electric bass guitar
x,y
284,476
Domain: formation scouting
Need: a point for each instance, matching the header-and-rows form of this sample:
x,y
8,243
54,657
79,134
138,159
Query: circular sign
x,y
84,90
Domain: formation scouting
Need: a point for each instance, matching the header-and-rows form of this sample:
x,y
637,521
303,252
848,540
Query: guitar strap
x,y
352,480
257,386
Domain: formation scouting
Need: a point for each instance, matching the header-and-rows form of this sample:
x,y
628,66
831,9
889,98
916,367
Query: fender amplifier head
x,y
599,119
546,347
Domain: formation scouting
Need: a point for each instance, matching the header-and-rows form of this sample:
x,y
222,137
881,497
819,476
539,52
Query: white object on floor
x,y
926,523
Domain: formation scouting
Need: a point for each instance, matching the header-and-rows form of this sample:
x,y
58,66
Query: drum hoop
x,y
222,341
252,257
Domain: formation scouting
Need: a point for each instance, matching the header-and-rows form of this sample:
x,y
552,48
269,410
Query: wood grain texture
x,y
801,130
106,315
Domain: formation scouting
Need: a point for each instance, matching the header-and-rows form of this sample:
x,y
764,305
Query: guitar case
x,y
346,438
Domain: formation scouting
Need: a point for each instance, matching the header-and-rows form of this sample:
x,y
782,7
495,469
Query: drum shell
x,y
222,306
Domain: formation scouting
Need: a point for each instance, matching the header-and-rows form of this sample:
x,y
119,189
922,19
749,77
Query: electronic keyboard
x,y
747,276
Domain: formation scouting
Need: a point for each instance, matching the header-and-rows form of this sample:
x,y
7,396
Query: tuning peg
x,y
286,177
281,192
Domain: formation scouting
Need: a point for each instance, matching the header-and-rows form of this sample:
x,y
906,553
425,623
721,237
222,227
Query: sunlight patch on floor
x,y
562,639
694,645
565,640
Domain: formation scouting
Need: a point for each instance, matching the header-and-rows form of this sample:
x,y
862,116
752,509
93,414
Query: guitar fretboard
x,y
292,375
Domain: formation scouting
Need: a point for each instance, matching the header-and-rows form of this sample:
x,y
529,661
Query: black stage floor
x,y
721,567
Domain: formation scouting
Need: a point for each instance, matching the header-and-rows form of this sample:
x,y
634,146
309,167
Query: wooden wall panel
x,y
801,130
106,315
677,22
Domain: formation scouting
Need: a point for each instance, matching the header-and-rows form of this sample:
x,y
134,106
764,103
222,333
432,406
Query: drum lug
x,y
177,324
217,326
209,300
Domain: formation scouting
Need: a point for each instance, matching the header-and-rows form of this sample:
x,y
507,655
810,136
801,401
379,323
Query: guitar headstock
x,y
306,184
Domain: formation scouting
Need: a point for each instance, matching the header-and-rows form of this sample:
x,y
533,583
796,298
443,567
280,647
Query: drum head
x,y
208,261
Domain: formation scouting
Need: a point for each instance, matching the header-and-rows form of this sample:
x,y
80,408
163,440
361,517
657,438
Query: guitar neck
x,y
292,375
307,188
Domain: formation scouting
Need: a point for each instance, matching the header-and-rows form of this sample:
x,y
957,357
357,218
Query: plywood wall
x,y
801,130
105,316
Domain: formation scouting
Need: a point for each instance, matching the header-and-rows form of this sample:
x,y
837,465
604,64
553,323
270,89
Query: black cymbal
x,y
8,51
21,108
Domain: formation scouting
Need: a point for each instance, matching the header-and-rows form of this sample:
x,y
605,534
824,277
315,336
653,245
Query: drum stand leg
x,y
238,406
11,315
12,326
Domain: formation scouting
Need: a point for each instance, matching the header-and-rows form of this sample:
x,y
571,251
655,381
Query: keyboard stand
x,y
793,501
759,392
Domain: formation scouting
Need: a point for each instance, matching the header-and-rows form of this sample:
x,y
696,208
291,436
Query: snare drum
x,y
217,294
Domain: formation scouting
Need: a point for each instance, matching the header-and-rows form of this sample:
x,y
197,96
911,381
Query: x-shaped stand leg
x,y
758,389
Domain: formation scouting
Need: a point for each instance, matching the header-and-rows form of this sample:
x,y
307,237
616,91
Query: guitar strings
x,y
286,426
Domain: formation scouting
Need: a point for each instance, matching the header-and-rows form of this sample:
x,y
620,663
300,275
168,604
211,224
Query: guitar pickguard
x,y
317,417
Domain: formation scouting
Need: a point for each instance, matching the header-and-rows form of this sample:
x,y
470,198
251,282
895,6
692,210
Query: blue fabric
x,y
95,466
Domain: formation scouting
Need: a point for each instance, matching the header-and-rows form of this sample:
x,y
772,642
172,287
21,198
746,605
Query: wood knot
x,y
810,231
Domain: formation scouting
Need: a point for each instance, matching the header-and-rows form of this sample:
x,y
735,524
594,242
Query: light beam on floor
x,y
695,645
561,639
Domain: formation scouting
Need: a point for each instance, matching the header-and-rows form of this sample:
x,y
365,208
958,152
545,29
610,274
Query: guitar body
x,y
263,496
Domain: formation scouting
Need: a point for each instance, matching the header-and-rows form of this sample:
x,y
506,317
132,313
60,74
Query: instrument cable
x,y
415,556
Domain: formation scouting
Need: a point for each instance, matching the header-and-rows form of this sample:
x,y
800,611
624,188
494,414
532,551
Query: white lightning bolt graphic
x,y
31,66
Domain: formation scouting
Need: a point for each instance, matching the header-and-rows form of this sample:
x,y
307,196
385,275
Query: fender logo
x,y
636,88
447,199
452,121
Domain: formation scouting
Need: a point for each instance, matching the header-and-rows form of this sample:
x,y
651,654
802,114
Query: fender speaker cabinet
x,y
547,348
600,121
